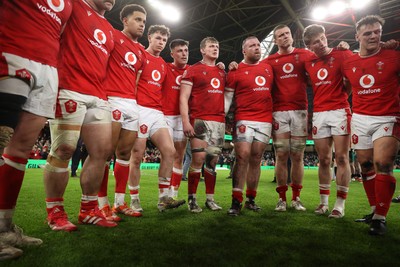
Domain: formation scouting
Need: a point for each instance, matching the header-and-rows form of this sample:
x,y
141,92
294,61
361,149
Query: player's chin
x,y
108,5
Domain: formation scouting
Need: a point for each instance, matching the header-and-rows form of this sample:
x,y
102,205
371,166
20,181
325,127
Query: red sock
x,y
11,176
193,182
88,203
282,191
341,194
133,190
369,186
121,173
296,188
176,177
385,186
251,194
238,195
104,183
51,203
210,180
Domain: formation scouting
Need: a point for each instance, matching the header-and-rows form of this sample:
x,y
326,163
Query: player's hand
x,y
221,65
188,129
233,65
343,45
391,44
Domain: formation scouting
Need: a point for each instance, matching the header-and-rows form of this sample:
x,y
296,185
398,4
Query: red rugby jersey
x,y
127,58
32,29
171,89
150,83
375,83
327,80
289,92
86,45
252,85
207,97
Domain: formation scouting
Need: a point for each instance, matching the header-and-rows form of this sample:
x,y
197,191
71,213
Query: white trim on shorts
x,y
250,131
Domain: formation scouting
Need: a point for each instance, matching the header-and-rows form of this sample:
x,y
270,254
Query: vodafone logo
x,y
56,5
100,36
322,74
260,81
367,81
288,68
178,79
215,83
130,58
156,75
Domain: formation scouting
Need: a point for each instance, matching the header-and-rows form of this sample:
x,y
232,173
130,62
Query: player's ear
x,y
356,36
125,21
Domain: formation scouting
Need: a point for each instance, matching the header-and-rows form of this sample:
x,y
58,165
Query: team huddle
x,y
95,82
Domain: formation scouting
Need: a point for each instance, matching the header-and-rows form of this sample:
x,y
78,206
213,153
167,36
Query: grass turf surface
x,y
179,238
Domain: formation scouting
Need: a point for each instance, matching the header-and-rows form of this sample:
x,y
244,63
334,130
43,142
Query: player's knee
x,y
168,152
243,157
282,146
123,154
64,152
384,167
56,164
325,161
297,145
341,160
212,153
366,166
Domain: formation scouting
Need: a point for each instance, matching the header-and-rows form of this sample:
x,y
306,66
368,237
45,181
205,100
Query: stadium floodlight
x,y
359,4
337,7
168,12
320,13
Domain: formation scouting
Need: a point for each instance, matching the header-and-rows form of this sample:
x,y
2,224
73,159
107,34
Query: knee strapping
x,y
198,150
55,164
297,145
282,145
66,136
212,152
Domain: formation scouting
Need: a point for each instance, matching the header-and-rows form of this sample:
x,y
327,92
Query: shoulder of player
x,y
350,60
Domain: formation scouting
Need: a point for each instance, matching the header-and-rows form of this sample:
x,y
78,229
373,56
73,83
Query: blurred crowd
x,y
152,155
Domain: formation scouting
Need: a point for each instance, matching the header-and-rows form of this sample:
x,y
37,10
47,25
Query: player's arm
x,y
137,80
228,96
391,44
347,86
186,90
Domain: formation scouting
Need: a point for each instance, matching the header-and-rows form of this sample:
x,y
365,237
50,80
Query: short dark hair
x,y
248,38
368,20
311,31
164,30
129,9
278,27
207,39
178,42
